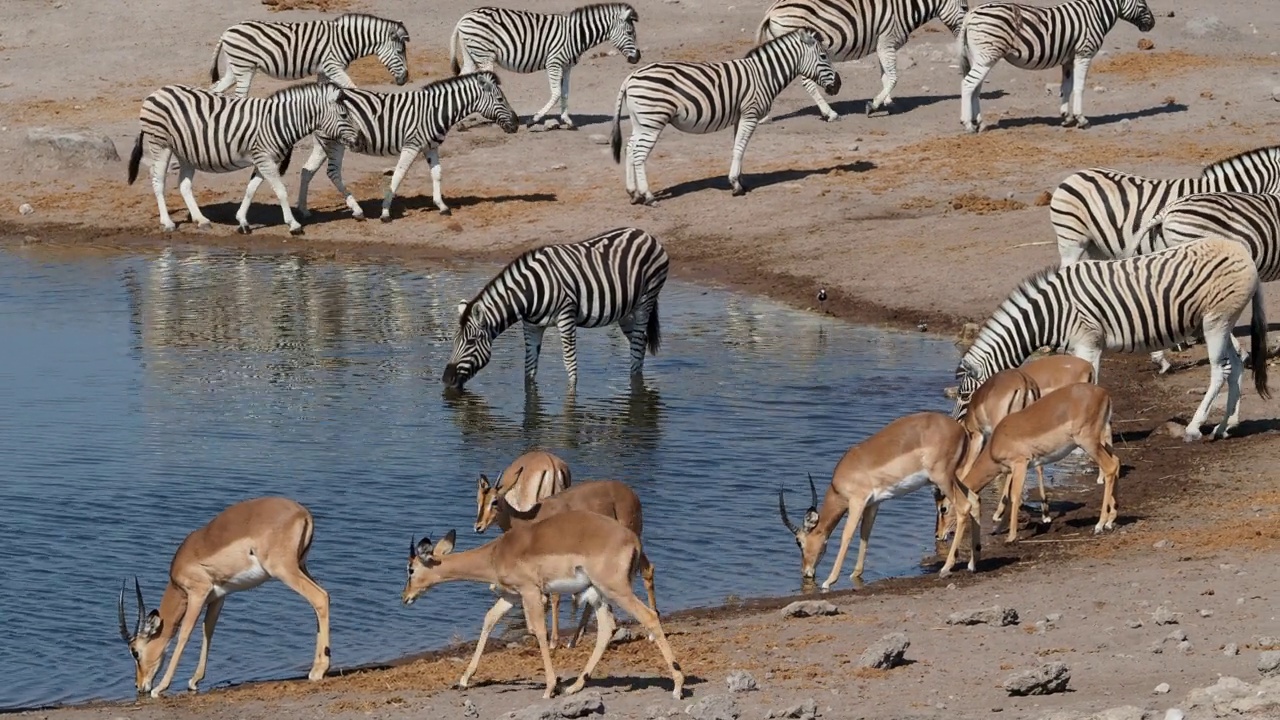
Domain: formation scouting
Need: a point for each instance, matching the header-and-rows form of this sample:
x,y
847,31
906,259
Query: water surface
x,y
142,394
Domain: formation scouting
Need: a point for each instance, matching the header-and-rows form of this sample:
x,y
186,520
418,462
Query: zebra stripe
x,y
217,133
853,29
526,42
1252,219
295,50
1039,38
1097,212
614,277
407,124
1141,303
704,97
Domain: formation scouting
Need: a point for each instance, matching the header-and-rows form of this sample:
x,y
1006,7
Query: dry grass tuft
x,y
337,6
983,205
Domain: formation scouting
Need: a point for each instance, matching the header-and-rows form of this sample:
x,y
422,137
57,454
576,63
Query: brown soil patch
x,y
983,205
1148,65
335,6
426,64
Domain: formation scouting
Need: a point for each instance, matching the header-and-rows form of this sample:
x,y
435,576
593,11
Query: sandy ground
x,y
902,218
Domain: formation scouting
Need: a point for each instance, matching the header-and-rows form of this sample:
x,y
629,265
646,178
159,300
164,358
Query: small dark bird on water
x,y
822,298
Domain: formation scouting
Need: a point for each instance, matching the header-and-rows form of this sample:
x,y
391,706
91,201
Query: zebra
x,y
853,29
525,42
614,277
1038,38
295,50
1249,218
703,97
1150,301
407,124
219,133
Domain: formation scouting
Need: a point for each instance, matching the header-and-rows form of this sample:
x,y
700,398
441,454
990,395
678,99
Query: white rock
x,y
1162,688
26,209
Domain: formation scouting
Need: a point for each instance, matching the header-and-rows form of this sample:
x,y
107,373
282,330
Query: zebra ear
x,y
462,307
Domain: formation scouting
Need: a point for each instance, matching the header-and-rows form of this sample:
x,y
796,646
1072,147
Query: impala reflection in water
x,y
143,394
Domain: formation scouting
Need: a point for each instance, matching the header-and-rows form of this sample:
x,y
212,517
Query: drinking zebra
x,y
1039,38
218,133
853,29
614,277
524,42
1145,302
1249,218
295,50
408,124
703,97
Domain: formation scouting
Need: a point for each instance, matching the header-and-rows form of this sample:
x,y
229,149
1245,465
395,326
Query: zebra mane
x,y
463,79
1225,165
780,40
299,90
471,304
584,9
1029,288
355,17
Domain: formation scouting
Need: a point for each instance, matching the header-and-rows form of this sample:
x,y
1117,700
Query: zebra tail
x,y
653,331
1152,230
454,66
615,138
764,24
135,159
213,71
962,46
1258,342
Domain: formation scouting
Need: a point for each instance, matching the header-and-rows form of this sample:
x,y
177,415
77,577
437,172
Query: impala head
x,y
493,103
812,544
424,564
472,347
487,497
147,641
1137,12
622,32
816,65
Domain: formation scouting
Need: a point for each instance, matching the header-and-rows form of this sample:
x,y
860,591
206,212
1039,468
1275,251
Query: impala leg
x,y
535,618
301,582
1044,499
846,537
1017,481
605,625
1099,448
864,537
195,604
554,600
965,505
210,621
1005,482
491,618
624,598
582,626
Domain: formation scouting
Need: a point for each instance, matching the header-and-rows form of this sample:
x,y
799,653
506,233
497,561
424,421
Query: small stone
x,y
1156,647
885,653
1231,650
1053,617
994,615
1099,89
1205,613
559,166
1173,713
741,681
598,138
1162,688
1185,646
1171,14
624,634
1134,624
1177,636
1124,125
807,608
1145,44
1164,616
1052,89
1269,663
1042,627
713,707
589,703
469,708
1266,642
1048,678
26,209
1162,544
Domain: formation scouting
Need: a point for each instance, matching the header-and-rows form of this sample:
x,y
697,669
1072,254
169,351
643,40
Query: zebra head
x,y
1137,12
492,103
336,121
814,63
622,32
967,383
391,50
472,347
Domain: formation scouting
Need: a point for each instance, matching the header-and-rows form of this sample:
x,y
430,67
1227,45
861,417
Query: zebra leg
x,y
433,159
567,323
185,174
242,214
1064,93
746,126
565,122
1231,417
970,92
226,81
639,147
1215,335
554,74
309,168
336,151
815,92
243,79
633,327
1159,359
887,52
1077,92
270,171
159,171
532,348
407,156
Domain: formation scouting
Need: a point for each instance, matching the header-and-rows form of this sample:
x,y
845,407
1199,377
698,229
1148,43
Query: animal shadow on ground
x,y
266,215
1009,123
900,105
986,563
760,180
1130,436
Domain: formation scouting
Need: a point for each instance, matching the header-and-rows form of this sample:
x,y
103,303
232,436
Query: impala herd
x,y
585,539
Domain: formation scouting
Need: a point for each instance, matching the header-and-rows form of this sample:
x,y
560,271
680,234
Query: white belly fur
x,y
1055,456
251,577
905,486
570,585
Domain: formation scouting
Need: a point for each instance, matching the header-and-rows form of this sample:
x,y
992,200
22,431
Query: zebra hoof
x,y
295,231
385,218
361,218
738,191
168,228
244,230
446,211
1081,122
651,201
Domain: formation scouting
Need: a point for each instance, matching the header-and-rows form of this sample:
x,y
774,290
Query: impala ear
x,y
484,483
423,550
810,520
152,626
445,546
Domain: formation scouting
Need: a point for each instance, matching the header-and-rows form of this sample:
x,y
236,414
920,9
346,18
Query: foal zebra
x,y
614,277
1038,38
407,124
703,97
524,42
295,50
853,29
1151,301
219,133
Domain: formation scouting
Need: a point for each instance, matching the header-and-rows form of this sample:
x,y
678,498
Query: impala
x,y
572,552
1044,432
240,548
903,457
1003,393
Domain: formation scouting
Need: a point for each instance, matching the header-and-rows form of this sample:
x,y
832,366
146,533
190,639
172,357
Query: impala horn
x,y
124,628
782,509
142,606
813,494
